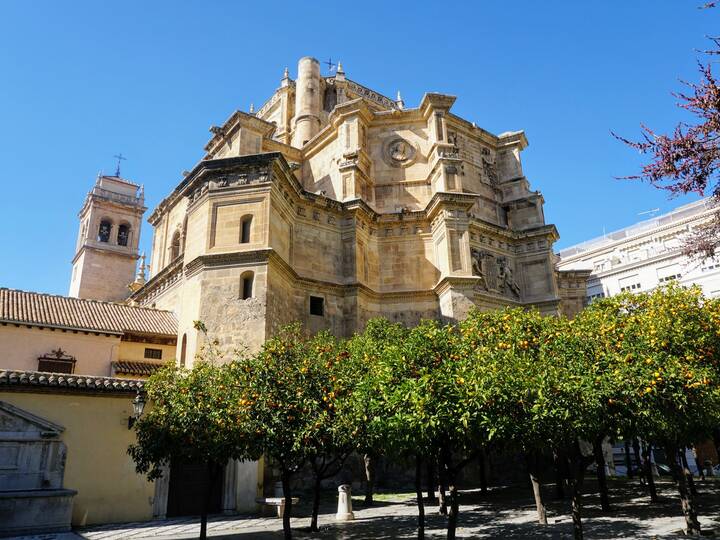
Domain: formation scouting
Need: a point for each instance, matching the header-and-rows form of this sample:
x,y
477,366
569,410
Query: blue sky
x,y
82,81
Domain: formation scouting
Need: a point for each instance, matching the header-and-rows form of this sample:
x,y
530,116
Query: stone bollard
x,y
344,511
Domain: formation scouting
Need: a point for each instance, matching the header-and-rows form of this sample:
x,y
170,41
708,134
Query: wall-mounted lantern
x,y
138,407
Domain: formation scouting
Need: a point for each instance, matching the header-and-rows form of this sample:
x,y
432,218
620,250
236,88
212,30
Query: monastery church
x,y
329,205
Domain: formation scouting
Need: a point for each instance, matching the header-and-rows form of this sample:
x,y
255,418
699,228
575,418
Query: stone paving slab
x,y
502,513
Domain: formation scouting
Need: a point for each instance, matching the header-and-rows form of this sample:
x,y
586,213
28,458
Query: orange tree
x,y
369,351
537,389
193,418
504,347
426,410
669,377
290,390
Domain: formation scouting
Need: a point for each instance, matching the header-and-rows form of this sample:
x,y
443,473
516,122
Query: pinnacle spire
x,y
399,101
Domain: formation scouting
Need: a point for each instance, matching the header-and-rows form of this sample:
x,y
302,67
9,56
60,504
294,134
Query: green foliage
x,y
291,391
663,349
193,416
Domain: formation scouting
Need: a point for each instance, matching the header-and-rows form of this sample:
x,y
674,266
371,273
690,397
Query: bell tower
x,y
107,244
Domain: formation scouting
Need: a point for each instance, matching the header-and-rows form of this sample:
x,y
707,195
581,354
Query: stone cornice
x,y
435,101
205,166
220,260
449,198
108,250
160,281
513,138
233,123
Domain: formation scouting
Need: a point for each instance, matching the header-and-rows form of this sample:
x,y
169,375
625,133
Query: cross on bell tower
x,y
119,158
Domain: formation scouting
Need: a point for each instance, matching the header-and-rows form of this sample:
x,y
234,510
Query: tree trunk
x,y
369,460
601,477
454,506
647,470
636,452
419,495
206,497
431,468
483,473
688,473
559,476
442,485
532,465
578,477
628,460
316,503
285,478
687,500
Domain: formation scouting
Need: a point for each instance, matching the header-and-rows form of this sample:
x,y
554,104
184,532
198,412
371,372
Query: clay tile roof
x,y
61,381
49,310
128,367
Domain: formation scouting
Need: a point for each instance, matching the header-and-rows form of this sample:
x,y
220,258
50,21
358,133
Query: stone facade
x,y
333,204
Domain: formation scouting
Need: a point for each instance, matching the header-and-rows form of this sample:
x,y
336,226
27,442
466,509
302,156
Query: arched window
x,y
245,230
123,235
183,350
175,246
104,230
247,285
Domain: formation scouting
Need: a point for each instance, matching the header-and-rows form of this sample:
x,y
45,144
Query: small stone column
x,y
344,511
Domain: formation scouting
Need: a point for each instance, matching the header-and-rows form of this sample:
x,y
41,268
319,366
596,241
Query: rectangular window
x,y
245,232
632,287
155,354
247,287
317,306
51,365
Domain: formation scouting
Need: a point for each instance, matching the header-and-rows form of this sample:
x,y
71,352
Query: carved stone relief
x,y
495,273
399,152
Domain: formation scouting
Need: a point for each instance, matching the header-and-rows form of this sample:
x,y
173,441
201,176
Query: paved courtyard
x,y
502,513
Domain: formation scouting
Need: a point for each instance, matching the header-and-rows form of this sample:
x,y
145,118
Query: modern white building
x,y
645,255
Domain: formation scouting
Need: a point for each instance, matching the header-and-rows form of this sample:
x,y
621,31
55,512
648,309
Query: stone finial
x,y
339,72
140,279
399,101
285,81
252,108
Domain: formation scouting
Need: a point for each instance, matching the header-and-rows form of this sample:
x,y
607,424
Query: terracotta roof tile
x,y
129,367
14,378
90,315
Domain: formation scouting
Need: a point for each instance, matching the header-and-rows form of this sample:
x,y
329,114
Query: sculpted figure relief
x,y
398,150
477,267
505,277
